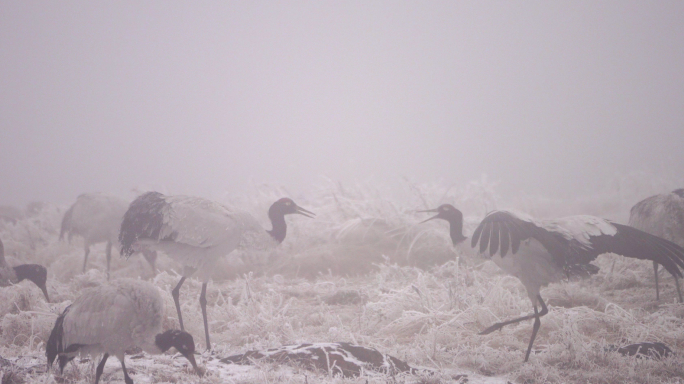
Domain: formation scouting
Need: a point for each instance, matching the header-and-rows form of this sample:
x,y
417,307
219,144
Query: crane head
x,y
182,341
445,212
286,206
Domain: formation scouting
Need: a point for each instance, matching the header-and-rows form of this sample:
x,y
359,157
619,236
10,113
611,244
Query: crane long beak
x,y
191,359
432,218
44,289
431,211
304,212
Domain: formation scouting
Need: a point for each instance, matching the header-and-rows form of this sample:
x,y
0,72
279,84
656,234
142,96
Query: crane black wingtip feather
x,y
54,344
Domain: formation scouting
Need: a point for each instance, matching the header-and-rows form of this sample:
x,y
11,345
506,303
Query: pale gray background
x,y
204,97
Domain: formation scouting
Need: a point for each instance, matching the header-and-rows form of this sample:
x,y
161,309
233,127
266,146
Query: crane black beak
x,y
191,359
44,289
304,212
437,216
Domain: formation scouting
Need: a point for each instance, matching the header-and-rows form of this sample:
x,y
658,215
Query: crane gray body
x,y
97,218
110,319
662,216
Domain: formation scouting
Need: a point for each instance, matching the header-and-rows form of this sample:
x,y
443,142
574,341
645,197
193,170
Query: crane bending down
x,y
97,218
196,232
111,319
663,216
13,275
548,251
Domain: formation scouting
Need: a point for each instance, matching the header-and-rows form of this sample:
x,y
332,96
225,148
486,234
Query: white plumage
x,y
196,232
111,319
663,216
539,252
13,275
97,218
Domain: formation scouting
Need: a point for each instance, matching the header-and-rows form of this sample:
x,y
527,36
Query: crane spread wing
x,y
566,240
575,240
632,242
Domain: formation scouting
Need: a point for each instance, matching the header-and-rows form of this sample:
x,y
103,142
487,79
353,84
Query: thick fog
x,y
206,98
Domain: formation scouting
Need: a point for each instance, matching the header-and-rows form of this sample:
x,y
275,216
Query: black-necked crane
x,y
663,216
112,318
13,275
196,232
548,251
97,218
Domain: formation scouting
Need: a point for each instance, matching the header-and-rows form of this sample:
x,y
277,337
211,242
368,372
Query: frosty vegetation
x,y
365,272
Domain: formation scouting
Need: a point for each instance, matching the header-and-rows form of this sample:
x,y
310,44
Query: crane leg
x,y
100,368
679,291
127,379
176,293
151,257
109,257
655,270
85,258
537,323
498,326
203,304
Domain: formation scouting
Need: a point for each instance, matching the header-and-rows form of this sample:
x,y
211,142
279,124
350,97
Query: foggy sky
x,y
204,97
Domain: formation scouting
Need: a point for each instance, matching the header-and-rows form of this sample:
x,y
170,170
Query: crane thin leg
x,y
203,304
498,326
679,292
655,270
537,323
100,368
176,293
109,256
127,379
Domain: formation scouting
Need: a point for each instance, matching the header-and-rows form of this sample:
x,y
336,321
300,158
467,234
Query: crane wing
x,y
124,309
185,220
566,240
575,240
632,242
199,222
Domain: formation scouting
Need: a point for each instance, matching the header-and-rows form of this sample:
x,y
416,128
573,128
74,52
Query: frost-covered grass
x,y
364,272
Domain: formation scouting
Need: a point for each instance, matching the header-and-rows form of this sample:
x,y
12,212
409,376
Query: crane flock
x,y
110,319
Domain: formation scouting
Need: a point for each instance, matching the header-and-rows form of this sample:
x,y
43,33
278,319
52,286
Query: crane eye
x,y
288,203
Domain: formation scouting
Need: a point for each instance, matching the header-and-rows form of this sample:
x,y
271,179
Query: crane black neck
x,y
455,228
279,227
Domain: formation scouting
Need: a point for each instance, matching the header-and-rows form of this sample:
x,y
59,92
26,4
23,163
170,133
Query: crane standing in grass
x,y
663,216
111,319
97,218
548,251
13,275
196,232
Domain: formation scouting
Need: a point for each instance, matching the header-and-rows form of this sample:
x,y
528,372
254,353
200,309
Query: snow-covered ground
x,y
364,272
